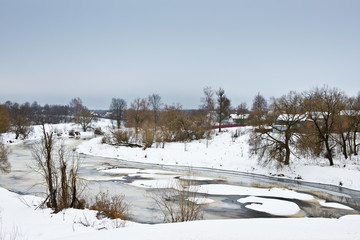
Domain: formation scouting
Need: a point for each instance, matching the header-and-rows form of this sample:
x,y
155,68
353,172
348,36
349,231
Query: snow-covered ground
x,y
61,129
224,152
20,219
221,152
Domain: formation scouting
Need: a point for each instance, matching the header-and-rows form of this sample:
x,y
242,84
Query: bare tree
x,y
85,118
137,113
155,105
45,165
324,106
223,106
208,106
20,123
344,126
208,102
258,111
76,105
287,116
21,127
259,103
352,123
59,172
242,110
117,107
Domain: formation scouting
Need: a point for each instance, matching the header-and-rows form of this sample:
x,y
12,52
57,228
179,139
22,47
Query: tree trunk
x,y
64,187
74,191
17,134
329,152
52,190
287,148
343,139
351,151
355,146
287,156
84,127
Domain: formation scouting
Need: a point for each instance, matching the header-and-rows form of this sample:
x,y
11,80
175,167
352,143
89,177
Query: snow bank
x,y
270,229
224,189
271,206
18,214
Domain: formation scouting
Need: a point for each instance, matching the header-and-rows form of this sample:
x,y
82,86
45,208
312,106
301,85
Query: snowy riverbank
x,y
227,153
21,219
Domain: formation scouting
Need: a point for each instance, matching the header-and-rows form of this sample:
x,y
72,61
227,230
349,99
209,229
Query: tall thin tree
x,y
223,106
155,105
117,107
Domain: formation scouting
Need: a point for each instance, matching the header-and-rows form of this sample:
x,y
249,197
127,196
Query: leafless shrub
x,y
111,206
4,163
177,203
72,133
84,221
120,137
105,140
147,136
98,131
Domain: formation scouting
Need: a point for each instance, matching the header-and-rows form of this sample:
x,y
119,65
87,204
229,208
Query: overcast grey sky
x,y
52,51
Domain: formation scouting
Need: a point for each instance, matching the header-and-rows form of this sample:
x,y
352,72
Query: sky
x,y
52,51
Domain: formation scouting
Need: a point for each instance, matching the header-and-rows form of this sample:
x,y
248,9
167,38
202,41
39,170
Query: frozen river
x,y
226,194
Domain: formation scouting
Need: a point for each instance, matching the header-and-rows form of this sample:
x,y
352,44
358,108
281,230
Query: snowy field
x,y
21,219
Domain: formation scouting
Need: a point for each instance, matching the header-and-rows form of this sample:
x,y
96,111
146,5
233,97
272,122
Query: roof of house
x,y
292,117
349,112
239,116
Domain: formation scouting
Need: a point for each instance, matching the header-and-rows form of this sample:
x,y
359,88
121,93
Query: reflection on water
x,y
137,181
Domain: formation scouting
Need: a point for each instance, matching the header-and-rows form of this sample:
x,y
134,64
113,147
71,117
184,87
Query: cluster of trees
x,y
18,118
154,121
148,120
314,123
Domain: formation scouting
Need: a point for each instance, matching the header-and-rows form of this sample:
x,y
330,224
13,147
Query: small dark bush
x,y
98,131
72,133
105,140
